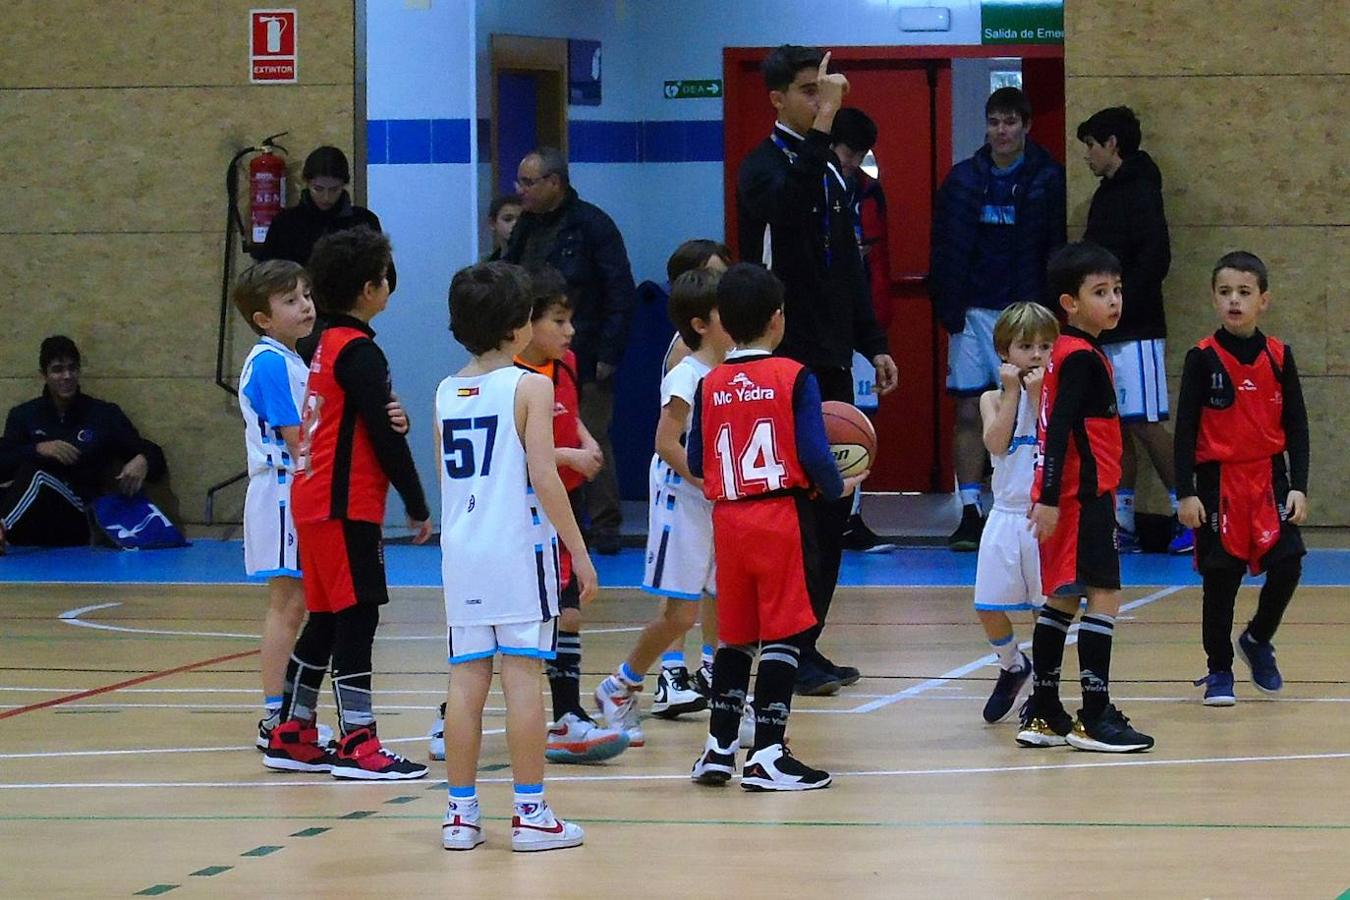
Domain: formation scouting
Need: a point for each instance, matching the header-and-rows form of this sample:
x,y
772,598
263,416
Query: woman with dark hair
x,y
324,207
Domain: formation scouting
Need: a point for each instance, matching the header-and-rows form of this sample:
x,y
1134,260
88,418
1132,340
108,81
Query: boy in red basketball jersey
x,y
349,455
1073,512
758,442
1240,411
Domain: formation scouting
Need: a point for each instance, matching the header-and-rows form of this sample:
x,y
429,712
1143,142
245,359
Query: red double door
x,y
907,91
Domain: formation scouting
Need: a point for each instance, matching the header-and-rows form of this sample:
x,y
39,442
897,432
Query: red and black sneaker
x,y
360,755
294,747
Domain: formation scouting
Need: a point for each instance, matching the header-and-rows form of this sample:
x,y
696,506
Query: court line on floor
x,y
74,617
60,754
94,692
990,658
1133,760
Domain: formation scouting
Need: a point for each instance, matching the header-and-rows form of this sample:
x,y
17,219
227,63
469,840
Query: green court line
x,y
359,814
399,801
1345,896
155,890
310,832
824,823
211,870
264,850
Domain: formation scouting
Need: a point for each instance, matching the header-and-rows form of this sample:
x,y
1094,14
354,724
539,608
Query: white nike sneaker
x,y
774,768
620,710
460,830
436,737
675,695
544,831
573,739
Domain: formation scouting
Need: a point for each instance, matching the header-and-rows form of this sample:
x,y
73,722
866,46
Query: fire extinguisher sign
x,y
272,46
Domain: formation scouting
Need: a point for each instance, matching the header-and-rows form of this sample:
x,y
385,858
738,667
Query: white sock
x,y
970,494
1125,509
1009,655
529,801
671,660
464,800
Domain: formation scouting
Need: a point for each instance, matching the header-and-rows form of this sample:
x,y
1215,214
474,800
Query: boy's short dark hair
x,y
854,129
327,162
694,254
693,296
1242,261
502,202
1008,100
488,301
783,63
256,284
1072,264
54,348
548,289
747,297
343,263
1117,121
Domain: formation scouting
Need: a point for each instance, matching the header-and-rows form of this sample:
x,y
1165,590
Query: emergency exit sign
x,y
1021,22
272,46
692,90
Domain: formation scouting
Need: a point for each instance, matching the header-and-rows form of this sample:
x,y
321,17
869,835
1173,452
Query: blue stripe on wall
x,y
441,141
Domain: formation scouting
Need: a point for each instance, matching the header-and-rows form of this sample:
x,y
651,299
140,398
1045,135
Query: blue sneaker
x,y
1127,541
1218,689
1260,658
1183,541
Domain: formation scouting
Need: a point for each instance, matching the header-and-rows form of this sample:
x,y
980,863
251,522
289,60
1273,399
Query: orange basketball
x,y
852,439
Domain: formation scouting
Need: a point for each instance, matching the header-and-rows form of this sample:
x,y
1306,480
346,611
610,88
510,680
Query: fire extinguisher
x,y
266,188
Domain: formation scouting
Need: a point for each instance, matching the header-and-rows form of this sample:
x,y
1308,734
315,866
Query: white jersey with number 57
x,y
499,552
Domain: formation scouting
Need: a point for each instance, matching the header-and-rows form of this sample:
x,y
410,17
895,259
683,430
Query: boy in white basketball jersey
x,y
1007,573
503,510
679,563
274,299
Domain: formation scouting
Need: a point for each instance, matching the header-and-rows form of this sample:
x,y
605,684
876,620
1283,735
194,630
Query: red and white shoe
x,y
619,708
460,830
544,831
294,746
361,756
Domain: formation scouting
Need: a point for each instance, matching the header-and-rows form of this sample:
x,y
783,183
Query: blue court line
x,y
222,562
397,142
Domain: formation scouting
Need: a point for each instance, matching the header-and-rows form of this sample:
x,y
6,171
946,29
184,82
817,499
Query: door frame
x,y
518,53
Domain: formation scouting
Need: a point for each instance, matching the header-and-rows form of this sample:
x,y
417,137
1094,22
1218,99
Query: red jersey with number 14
x,y
750,430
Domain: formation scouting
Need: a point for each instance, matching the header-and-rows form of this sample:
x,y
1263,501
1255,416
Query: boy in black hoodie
x,y
1126,217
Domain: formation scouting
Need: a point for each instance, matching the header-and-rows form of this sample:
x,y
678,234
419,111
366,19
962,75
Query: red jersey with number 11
x,y
750,430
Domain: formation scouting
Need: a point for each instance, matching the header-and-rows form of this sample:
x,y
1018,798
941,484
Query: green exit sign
x,y
692,90
1021,22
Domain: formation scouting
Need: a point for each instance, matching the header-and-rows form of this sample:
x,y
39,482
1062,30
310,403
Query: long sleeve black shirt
x,y
363,373
1085,391
1195,382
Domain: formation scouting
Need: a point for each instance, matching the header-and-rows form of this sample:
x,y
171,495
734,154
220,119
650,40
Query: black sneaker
x,y
703,681
1109,732
675,695
857,536
1044,727
1006,689
813,682
846,675
1260,658
606,543
966,537
714,767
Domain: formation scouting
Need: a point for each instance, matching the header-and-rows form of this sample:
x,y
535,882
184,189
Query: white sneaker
x,y
436,736
675,695
461,831
620,710
716,765
775,769
544,831
747,732
573,739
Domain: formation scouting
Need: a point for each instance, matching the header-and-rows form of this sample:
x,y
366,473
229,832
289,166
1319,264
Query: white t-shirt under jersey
x,y
499,552
682,381
1014,468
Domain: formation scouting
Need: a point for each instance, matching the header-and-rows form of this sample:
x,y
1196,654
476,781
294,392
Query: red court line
x,y
94,692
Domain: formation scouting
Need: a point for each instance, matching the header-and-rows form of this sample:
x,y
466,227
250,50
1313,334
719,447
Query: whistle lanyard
x,y
825,197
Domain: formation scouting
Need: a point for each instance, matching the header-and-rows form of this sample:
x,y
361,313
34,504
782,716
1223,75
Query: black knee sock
x,y
773,690
564,676
309,661
1047,656
731,678
1276,593
1216,622
1095,633
352,645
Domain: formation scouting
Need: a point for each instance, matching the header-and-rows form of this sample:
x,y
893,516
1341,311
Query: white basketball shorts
x,y
1141,379
535,639
270,544
972,361
680,560
1008,569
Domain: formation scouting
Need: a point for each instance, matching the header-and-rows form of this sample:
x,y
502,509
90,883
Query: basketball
x,y
852,439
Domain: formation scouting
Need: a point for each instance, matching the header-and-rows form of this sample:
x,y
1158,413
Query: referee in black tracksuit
x,y
793,215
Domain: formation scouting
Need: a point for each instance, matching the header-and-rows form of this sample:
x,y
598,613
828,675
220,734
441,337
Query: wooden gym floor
x,y
126,767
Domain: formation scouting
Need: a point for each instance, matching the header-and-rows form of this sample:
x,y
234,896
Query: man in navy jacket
x,y
60,450
998,217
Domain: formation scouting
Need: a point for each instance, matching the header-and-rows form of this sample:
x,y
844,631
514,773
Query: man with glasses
x,y
559,229
60,450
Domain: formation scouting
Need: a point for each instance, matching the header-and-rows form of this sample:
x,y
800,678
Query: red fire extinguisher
x,y
266,188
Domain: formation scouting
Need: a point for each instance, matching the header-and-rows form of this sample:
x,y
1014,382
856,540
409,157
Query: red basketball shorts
x,y
343,564
761,570
1082,552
